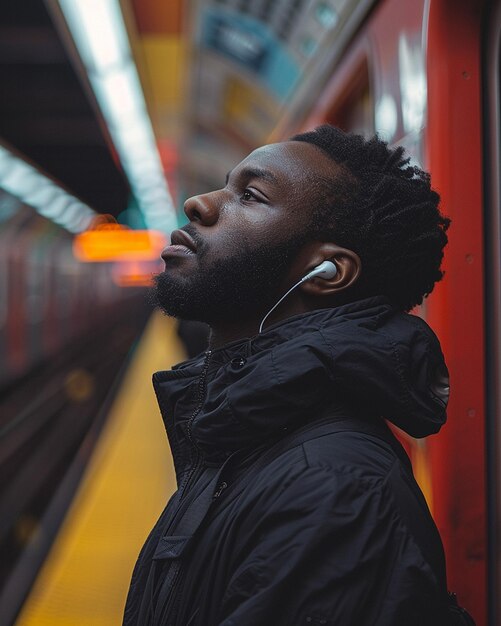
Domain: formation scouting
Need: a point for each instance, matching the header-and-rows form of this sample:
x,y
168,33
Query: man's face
x,y
245,236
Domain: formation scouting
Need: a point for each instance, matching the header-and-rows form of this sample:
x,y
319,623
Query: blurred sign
x,y
252,45
237,41
118,245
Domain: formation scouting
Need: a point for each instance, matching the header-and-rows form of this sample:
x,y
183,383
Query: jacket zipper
x,y
197,461
192,476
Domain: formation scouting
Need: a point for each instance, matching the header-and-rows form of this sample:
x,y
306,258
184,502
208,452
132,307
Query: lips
x,y
181,238
181,244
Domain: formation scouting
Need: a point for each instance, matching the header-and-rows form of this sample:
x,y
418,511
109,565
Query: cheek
x,y
274,224
249,227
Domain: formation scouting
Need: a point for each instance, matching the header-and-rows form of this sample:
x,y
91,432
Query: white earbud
x,y
326,270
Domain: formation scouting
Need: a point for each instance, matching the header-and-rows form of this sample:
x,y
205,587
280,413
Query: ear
x,y
348,265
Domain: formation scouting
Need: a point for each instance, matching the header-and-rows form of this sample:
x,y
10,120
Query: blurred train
x,y
48,299
424,74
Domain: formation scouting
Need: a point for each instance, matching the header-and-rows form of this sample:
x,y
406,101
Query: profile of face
x,y
242,248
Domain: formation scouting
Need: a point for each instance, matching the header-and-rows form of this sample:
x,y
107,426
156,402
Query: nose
x,y
203,208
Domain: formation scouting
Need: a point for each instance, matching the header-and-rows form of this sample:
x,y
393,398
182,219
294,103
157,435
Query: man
x,y
295,503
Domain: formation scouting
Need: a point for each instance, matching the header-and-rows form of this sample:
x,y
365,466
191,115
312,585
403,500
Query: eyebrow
x,y
255,172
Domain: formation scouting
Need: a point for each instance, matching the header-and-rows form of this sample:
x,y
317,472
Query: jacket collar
x,y
364,355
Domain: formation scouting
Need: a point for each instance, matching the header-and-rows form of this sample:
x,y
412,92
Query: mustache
x,y
192,232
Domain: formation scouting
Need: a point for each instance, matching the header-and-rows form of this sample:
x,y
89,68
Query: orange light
x,y
134,273
118,245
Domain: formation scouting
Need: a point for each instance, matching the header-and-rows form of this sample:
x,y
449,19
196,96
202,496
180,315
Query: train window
x,y
64,264
36,281
9,205
34,286
354,111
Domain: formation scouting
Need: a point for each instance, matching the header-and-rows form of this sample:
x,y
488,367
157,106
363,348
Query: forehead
x,y
291,162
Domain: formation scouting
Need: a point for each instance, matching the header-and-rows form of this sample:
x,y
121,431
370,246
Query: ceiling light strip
x,y
47,198
100,35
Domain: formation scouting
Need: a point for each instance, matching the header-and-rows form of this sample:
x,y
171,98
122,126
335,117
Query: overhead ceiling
x,y
45,112
219,77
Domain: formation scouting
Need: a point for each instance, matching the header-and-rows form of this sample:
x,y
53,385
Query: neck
x,y
222,334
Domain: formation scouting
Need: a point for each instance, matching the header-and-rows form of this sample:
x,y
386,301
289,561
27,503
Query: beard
x,y
238,286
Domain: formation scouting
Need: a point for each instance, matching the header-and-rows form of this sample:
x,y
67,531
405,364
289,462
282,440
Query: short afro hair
x,y
384,209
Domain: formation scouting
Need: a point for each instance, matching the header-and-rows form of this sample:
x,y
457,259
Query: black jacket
x,y
294,505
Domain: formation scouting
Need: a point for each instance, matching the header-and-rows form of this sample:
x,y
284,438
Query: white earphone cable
x,y
326,269
281,299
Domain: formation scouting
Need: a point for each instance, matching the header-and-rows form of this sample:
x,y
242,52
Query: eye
x,y
248,195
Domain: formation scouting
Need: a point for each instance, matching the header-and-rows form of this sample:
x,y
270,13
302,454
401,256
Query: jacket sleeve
x,y
327,549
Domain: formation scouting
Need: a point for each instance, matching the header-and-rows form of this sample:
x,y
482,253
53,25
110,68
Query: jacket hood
x,y
364,356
